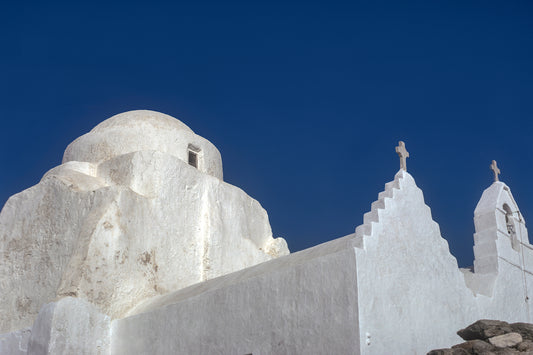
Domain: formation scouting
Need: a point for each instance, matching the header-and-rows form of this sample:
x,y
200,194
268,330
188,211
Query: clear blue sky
x,y
305,100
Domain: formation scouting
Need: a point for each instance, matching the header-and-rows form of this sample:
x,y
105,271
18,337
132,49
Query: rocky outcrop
x,y
486,337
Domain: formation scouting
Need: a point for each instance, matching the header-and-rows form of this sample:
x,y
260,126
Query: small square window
x,y
193,159
193,156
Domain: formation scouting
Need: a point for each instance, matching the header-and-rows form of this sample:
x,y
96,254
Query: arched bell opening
x,y
510,221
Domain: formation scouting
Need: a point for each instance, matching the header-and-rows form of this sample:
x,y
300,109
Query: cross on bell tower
x,y
494,168
403,154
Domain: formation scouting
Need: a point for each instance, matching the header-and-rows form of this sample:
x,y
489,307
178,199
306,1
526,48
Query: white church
x,y
136,245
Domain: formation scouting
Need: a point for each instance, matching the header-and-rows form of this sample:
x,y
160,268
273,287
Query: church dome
x,y
142,130
142,119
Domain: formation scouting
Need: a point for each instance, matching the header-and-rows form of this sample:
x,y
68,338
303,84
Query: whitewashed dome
x,y
137,119
142,130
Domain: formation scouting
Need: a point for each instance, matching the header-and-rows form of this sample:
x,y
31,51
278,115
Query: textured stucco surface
x,y
118,231
305,303
409,283
15,343
141,130
125,248
70,326
409,293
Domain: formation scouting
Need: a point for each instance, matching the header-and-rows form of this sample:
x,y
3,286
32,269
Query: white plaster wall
x,y
132,222
39,230
15,343
141,130
123,230
502,255
410,288
391,287
528,257
493,243
411,293
303,303
70,326
509,299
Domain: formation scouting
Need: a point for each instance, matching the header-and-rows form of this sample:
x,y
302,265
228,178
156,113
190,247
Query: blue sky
x,y
305,100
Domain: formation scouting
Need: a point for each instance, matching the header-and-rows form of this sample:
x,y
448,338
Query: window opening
x,y
193,156
511,227
508,219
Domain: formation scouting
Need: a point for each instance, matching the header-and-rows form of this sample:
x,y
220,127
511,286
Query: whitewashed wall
x,y
395,276
126,248
412,295
117,226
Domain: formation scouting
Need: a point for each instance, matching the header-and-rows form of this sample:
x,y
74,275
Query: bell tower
x,y
501,232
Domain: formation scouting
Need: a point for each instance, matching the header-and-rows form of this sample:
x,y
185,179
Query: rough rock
x,y
524,329
484,329
526,345
457,351
475,346
506,340
503,351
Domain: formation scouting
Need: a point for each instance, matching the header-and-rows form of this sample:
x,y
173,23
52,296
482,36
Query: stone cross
x,y
403,154
494,168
